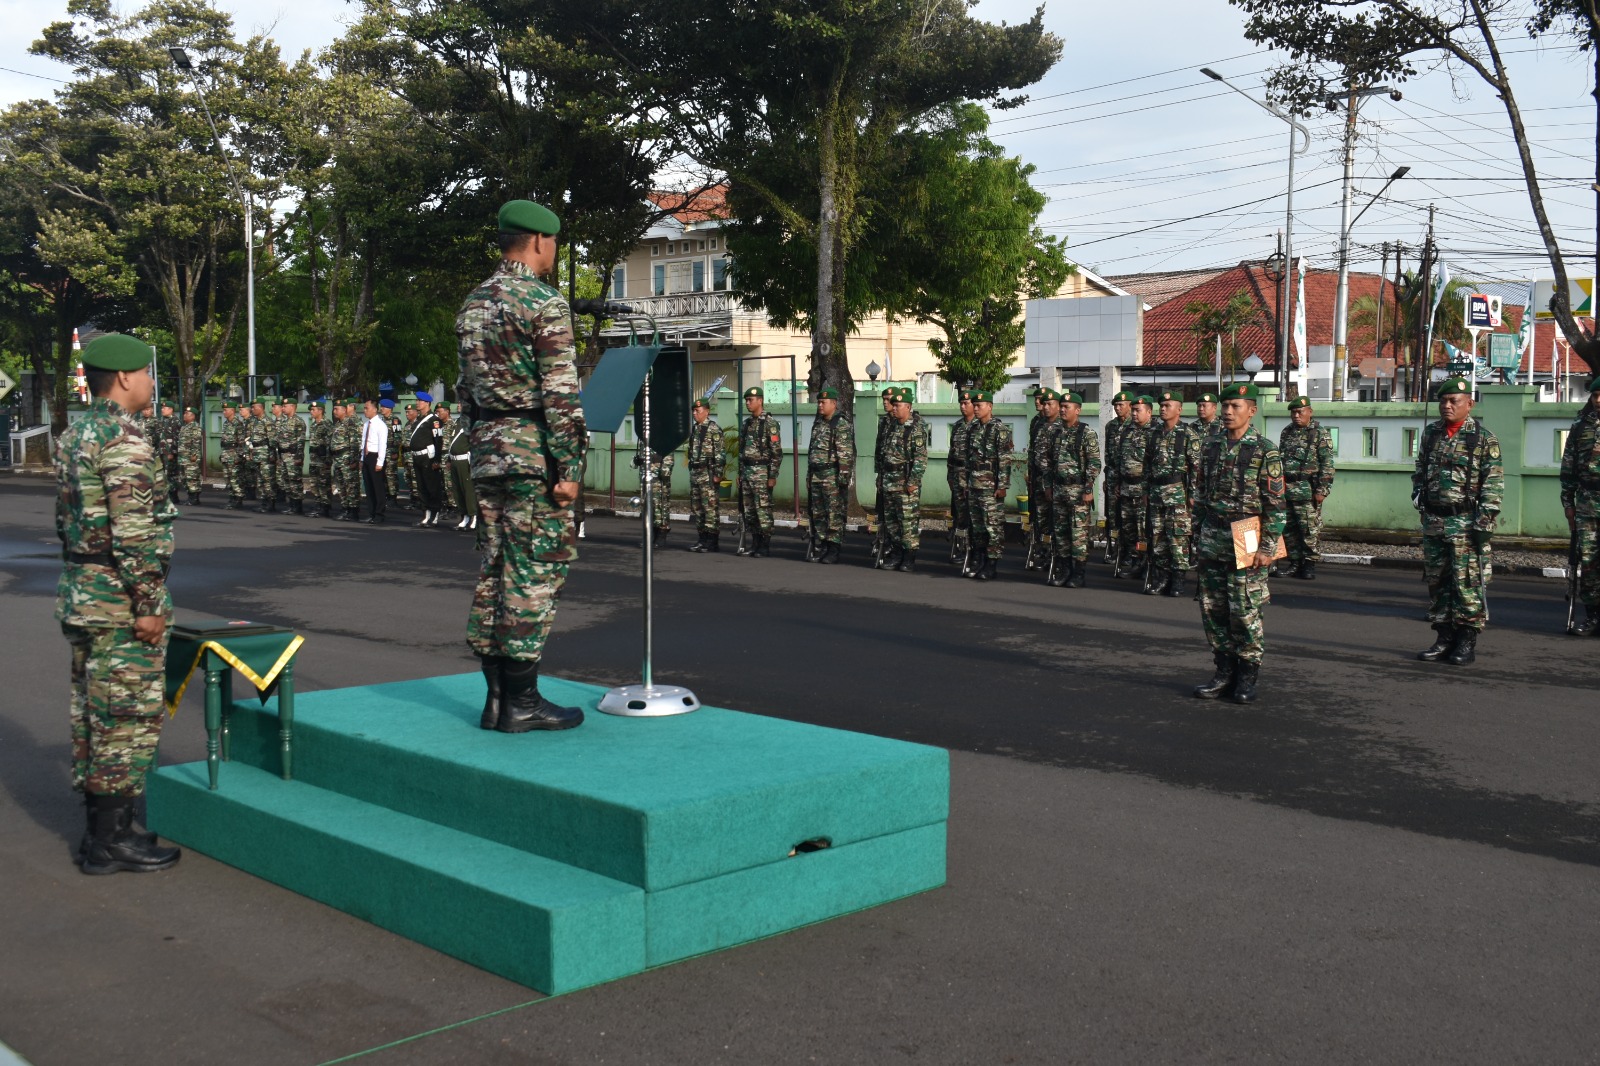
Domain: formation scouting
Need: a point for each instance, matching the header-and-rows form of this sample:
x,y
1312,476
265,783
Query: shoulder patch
x,y
1494,449
1274,466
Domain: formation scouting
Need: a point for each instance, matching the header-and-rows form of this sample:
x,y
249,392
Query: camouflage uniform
x,y
256,442
517,365
760,458
115,524
271,481
1071,465
290,444
228,441
1457,486
1238,479
661,496
1580,493
706,458
1172,471
344,443
830,463
1206,430
1307,472
989,447
171,427
1114,431
1041,516
955,471
458,457
320,438
905,461
398,455
1127,464
191,457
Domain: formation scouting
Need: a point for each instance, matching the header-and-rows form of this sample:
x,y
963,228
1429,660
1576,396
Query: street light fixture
x,y
1296,131
1352,98
180,60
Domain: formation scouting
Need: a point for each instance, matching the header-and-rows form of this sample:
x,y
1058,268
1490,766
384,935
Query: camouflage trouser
x,y
452,501
986,517
528,544
116,708
958,500
322,482
901,515
1458,580
661,504
253,477
347,479
1070,519
191,475
825,504
1589,552
755,499
1171,528
703,502
1130,518
1111,520
1302,531
174,473
230,474
460,482
1231,603
291,483
391,474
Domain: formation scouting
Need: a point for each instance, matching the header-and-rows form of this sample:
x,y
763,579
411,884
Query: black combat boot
x,y
1441,644
1221,683
990,570
1307,571
1079,574
830,554
494,701
119,844
1583,627
524,709
759,551
268,505
1155,582
711,542
1175,583
907,563
1465,649
300,506
699,544
235,503
1244,682
1059,573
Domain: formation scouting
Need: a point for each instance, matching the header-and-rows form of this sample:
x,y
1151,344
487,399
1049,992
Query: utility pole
x,y
1383,273
1341,300
1424,361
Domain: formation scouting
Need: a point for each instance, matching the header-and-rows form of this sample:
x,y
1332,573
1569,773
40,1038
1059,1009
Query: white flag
x,y
1300,317
1441,282
1525,331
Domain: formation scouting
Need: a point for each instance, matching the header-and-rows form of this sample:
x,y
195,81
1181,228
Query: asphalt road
x,y
1381,861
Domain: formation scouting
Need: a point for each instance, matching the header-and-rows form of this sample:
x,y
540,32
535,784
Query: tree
x,y
1358,44
146,206
1403,318
801,107
1211,322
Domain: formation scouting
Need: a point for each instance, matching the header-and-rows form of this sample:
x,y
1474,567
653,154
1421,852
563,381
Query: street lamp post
x,y
180,59
1341,300
1304,135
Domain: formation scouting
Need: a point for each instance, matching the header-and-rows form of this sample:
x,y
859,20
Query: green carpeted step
x,y
530,919
653,802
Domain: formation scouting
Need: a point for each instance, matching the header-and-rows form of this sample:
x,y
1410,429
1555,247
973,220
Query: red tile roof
x,y
708,206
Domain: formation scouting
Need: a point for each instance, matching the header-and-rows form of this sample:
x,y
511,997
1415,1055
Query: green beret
x,y
753,390
1242,390
350,401
829,393
701,401
1455,386
1146,399
1049,394
1072,397
1167,394
1299,402
525,216
982,396
1207,397
1594,383
166,403
228,405
1123,397
441,407
905,395
190,411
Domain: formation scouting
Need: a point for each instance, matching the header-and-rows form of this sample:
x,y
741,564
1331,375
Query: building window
x,y
699,284
719,274
671,248
702,246
658,280
1561,443
655,249
713,244
619,277
1369,442
1409,443
1333,438
678,276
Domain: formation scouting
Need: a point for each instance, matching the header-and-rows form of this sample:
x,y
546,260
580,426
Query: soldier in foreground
x,y
1456,487
1241,477
989,448
706,458
191,455
1307,450
830,463
528,443
171,429
905,461
1172,471
291,446
228,442
114,520
1580,499
256,443
319,440
346,450
1208,424
760,457
1127,463
955,470
1071,467
1041,519
1122,418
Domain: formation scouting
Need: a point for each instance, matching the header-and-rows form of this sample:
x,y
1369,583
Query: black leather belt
x,y
1449,510
1589,484
491,413
1168,479
1296,477
103,559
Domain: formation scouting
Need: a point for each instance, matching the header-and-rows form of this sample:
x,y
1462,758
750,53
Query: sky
x,y
1150,166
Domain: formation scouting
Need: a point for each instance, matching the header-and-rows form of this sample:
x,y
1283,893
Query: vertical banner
x,y
1299,337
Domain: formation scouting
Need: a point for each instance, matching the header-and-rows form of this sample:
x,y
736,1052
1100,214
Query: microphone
x,y
600,308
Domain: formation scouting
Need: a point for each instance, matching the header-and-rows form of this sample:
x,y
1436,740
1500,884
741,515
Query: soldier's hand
x,y
149,628
565,492
1261,561
1480,538
1317,499
1088,497
772,482
1572,518
1000,494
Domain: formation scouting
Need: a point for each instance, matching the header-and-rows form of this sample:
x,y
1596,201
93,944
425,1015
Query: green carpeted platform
x,y
624,843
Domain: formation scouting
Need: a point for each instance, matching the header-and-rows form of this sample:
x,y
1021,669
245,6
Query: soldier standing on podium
x,y
519,387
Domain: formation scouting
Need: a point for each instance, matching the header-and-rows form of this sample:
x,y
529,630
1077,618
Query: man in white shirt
x,y
374,455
